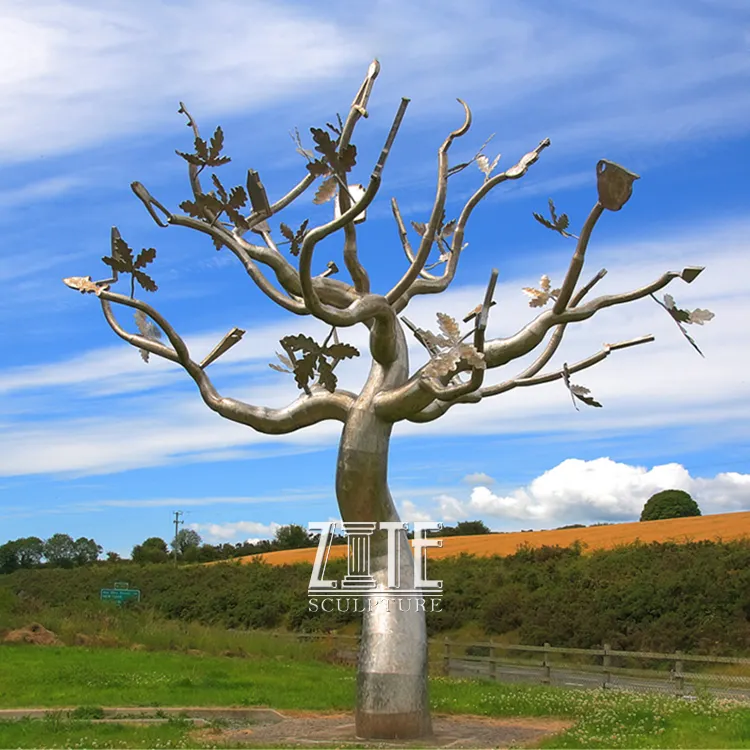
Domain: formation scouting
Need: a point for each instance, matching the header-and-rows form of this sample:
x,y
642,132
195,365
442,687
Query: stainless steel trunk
x,y
392,697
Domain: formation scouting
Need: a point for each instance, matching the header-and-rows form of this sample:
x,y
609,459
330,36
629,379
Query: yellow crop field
x,y
723,526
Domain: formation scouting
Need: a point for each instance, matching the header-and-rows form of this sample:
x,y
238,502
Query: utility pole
x,y
177,522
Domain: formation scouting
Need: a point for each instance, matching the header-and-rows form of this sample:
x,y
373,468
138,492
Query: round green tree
x,y
669,504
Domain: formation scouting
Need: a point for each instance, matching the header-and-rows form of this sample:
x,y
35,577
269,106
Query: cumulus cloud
x,y
249,531
600,490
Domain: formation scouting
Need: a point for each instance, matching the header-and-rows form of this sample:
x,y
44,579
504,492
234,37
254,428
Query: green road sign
x,y
120,595
121,585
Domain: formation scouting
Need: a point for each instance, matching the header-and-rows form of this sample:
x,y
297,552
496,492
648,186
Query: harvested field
x,y
723,526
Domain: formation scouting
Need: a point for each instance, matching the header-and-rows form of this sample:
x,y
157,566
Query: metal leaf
x,y
325,191
577,391
700,316
144,257
449,327
540,297
146,328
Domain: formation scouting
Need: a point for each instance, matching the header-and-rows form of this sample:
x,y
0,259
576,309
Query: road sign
x,y
120,595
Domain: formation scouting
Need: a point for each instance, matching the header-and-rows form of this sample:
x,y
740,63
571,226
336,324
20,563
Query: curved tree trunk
x,y
392,698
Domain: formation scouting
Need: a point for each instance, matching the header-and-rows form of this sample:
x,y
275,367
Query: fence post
x,y
493,664
446,656
546,665
679,678
606,663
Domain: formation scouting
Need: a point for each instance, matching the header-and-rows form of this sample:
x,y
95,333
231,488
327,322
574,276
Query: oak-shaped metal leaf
x,y
682,317
614,184
288,366
449,328
315,358
147,328
557,224
326,190
205,155
295,239
121,261
210,206
577,391
540,297
485,166
444,362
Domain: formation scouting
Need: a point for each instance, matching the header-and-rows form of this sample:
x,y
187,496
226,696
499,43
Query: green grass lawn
x,y
75,676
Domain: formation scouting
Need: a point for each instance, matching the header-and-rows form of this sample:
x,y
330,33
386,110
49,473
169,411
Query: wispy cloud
x,y
73,75
637,387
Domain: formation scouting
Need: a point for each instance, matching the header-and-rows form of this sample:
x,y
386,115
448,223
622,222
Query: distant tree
x,y
571,526
467,528
153,550
113,557
293,536
86,551
669,504
30,551
60,551
9,556
184,539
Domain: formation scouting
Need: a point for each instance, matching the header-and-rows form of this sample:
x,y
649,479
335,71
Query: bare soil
x,y
307,729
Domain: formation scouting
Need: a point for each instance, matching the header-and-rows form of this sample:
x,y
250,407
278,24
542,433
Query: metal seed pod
x,y
614,184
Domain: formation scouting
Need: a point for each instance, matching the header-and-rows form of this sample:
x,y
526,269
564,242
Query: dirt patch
x,y
306,729
34,634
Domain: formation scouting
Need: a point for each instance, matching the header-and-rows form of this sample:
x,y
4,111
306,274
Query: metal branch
x,y
425,246
370,305
241,250
149,201
576,262
557,335
358,109
305,411
408,399
227,342
429,286
509,385
452,392
193,170
436,409
404,237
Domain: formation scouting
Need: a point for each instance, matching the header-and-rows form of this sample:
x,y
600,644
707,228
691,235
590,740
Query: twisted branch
x,y
425,246
305,411
436,409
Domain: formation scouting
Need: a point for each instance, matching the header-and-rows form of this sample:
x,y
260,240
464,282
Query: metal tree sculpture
x,y
392,698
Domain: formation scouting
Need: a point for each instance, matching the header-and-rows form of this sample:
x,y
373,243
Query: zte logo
x,y
359,580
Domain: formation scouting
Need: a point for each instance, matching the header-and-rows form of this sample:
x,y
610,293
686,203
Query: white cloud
x,y
218,533
72,74
577,491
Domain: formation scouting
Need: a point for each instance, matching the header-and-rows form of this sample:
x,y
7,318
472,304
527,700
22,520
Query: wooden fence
x,y
604,667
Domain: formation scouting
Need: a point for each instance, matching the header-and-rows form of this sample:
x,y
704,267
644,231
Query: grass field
x,y
723,526
66,677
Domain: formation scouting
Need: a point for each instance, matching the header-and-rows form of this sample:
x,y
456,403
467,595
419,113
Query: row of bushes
x,y
694,596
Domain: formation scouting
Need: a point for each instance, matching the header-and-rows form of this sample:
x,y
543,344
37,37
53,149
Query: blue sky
x,y
94,442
